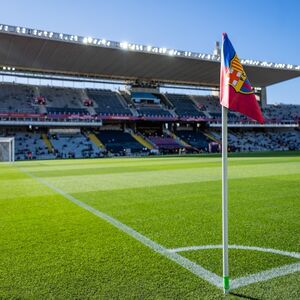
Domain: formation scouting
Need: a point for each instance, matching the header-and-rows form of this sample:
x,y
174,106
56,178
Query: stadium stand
x,y
62,100
194,138
28,144
211,105
262,139
153,110
282,112
119,142
149,105
184,106
107,102
70,145
165,143
26,99
15,98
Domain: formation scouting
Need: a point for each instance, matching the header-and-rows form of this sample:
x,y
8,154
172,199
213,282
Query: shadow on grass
x,y
243,296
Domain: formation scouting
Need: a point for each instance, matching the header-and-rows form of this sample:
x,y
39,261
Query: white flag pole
x,y
225,201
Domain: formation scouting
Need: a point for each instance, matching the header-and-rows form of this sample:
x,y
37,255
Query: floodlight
x,y
124,45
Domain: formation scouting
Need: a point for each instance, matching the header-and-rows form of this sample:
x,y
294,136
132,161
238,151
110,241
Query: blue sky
x,y
263,30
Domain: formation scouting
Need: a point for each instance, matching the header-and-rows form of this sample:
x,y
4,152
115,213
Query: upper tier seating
x,y
184,106
15,98
284,112
153,111
210,104
63,100
195,139
67,110
106,102
73,145
117,141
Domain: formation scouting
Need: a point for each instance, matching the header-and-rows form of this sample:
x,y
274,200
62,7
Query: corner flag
x,y
236,93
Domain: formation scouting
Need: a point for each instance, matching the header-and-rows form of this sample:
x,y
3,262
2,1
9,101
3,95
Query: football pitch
x,y
149,228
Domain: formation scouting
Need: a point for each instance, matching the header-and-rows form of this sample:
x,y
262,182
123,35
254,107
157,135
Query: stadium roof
x,y
31,50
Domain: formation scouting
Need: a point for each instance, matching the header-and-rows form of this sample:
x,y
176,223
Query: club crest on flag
x,y
236,92
237,77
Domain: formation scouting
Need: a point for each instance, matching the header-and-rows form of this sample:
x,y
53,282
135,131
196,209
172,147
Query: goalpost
x,y
7,149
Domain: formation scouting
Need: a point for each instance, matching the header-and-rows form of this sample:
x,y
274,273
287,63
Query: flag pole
x,y
225,201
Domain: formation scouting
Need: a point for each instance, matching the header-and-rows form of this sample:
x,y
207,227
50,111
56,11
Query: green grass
x,y
51,248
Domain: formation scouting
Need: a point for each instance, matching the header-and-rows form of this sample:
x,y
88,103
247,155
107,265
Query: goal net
x,y
7,149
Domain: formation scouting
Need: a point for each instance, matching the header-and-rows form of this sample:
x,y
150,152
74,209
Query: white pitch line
x,y
238,247
253,278
265,275
180,260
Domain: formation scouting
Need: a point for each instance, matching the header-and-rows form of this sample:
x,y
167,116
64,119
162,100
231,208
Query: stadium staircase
x,y
93,138
41,108
211,137
125,104
84,96
142,140
129,103
166,102
47,142
178,139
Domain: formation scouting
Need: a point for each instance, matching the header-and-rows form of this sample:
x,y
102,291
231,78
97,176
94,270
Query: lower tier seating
x,y
73,146
117,141
195,139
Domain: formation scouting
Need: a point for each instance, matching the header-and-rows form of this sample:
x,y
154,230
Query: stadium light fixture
x,y
124,45
138,47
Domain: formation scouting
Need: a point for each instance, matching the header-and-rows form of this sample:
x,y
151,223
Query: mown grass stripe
x,y
180,260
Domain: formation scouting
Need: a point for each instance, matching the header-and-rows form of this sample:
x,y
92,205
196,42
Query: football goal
x,y
7,149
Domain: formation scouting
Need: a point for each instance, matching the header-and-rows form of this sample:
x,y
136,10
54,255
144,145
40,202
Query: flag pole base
x,y
226,284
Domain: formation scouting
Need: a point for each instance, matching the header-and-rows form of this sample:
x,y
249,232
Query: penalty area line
x,y
194,268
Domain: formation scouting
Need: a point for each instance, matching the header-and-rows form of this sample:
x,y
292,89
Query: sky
x,y
261,30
